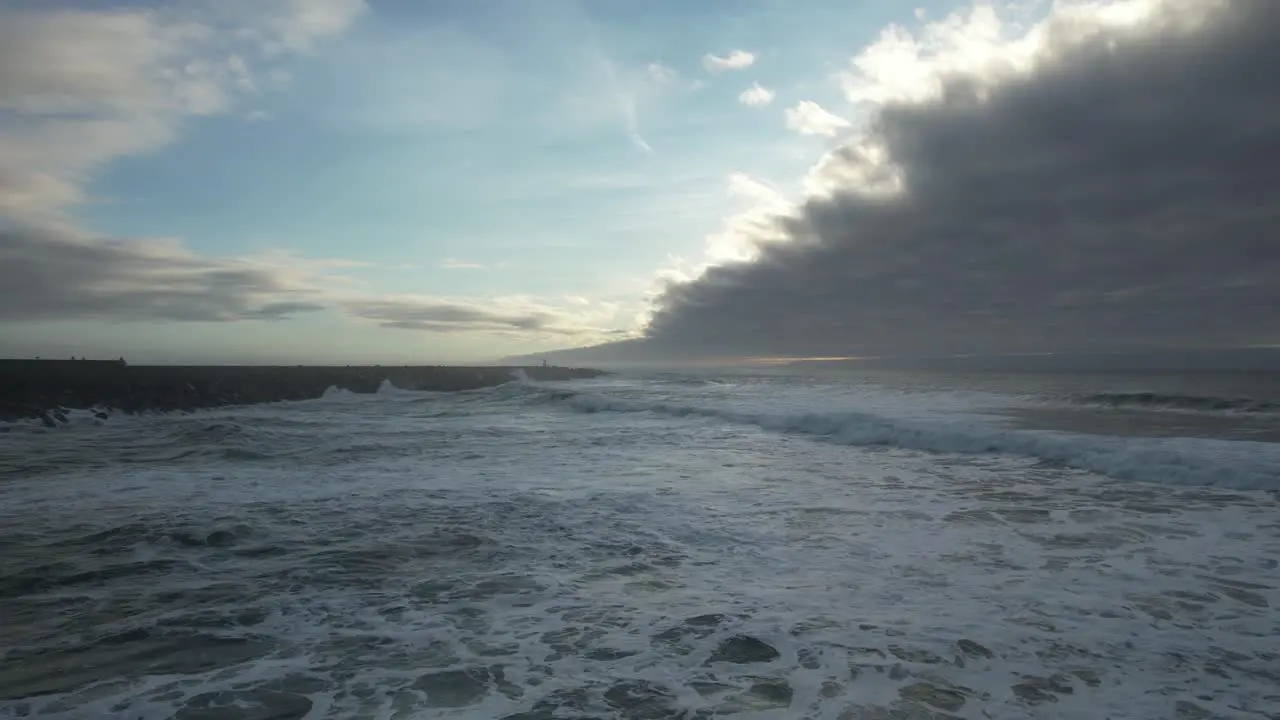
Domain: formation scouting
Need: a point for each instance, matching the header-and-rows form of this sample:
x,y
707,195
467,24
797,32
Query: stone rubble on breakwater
x,y
49,388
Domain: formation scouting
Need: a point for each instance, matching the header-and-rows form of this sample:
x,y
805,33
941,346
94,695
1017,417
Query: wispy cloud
x,y
810,118
735,60
630,89
455,264
757,96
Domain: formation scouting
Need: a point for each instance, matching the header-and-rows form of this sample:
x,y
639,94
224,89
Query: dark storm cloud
x,y
1124,194
49,274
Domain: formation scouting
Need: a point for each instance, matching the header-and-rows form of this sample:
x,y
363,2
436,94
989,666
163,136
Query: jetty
x,y
37,388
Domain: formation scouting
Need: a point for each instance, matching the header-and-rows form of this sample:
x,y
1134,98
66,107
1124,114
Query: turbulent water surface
x,y
664,546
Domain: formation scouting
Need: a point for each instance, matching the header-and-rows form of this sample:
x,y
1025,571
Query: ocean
x,y
767,544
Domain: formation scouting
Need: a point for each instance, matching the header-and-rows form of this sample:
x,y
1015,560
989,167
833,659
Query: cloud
x,y
632,93
756,96
63,274
517,315
628,90
809,118
294,26
743,185
81,88
735,60
60,274
455,264
747,233
1103,180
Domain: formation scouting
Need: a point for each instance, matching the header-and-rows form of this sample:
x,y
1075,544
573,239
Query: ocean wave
x,y
1169,461
333,392
1191,403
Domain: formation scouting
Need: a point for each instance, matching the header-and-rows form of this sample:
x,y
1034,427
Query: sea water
x,y
767,545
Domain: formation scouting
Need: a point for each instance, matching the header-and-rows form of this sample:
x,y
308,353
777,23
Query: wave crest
x,y
1176,461
1191,403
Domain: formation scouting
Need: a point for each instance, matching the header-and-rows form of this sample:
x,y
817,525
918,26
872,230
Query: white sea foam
x,y
486,554
333,392
59,418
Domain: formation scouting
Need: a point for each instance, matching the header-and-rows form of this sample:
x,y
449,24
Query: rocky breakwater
x,y
48,389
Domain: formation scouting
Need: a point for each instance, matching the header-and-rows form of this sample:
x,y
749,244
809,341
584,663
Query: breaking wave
x,y
1190,403
1169,461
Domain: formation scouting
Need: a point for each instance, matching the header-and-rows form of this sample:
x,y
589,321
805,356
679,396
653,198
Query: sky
x,y
391,181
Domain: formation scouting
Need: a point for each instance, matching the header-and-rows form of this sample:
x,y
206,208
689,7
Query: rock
x,y
744,649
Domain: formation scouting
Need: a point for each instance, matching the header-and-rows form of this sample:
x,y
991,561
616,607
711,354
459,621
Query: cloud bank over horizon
x,y
1103,180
